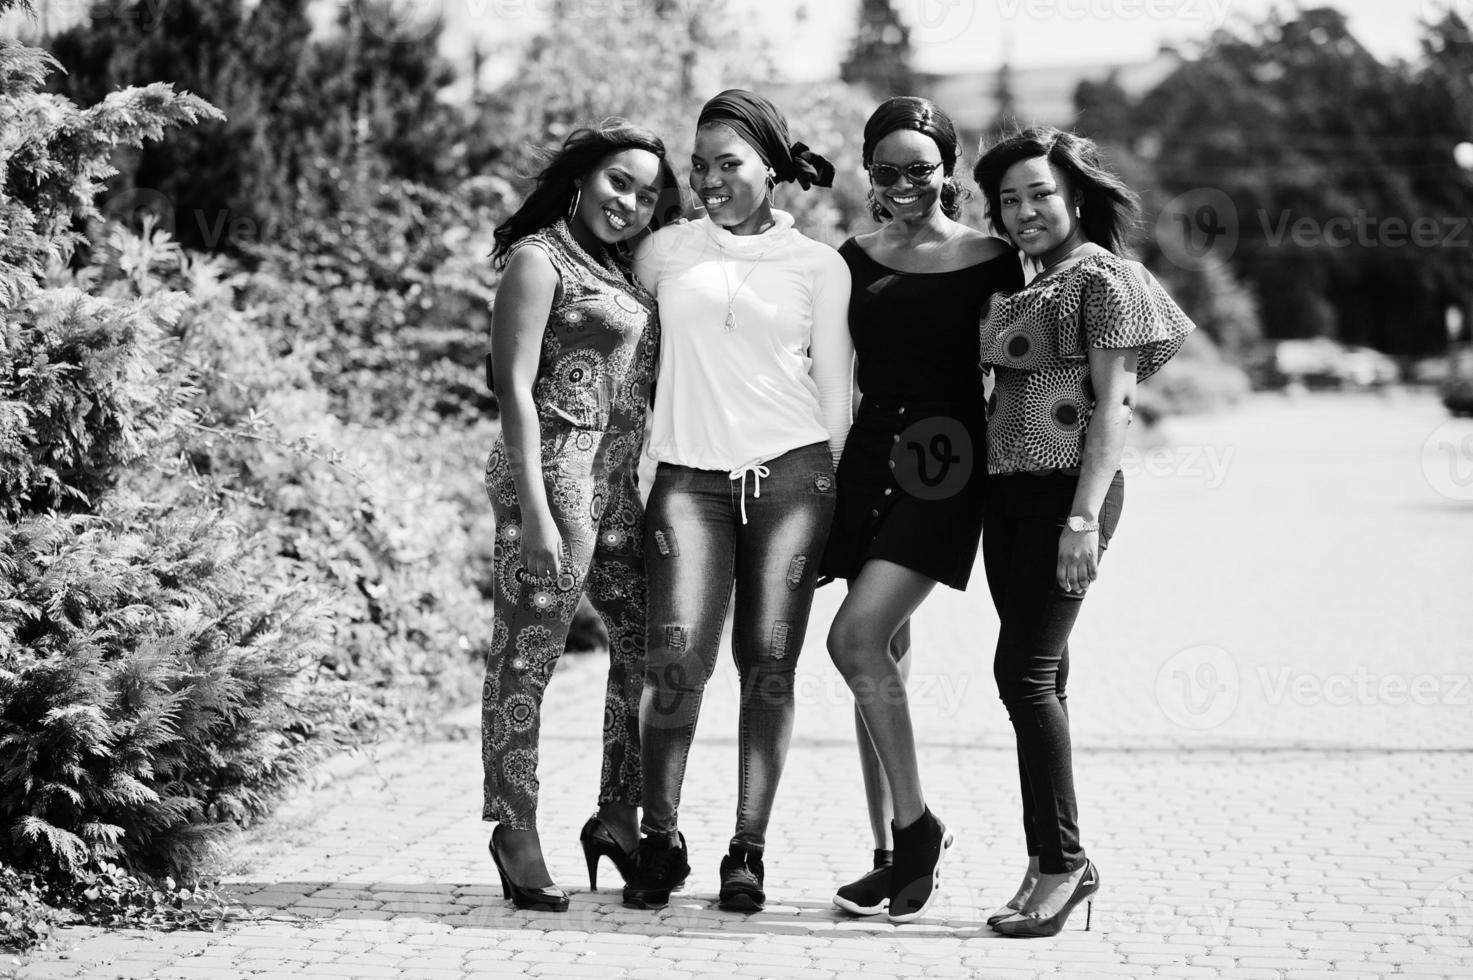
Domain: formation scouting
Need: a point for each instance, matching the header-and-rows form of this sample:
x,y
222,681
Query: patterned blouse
x,y
600,344
1035,342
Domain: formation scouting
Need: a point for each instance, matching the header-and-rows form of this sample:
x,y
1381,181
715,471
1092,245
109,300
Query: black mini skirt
x,y
910,488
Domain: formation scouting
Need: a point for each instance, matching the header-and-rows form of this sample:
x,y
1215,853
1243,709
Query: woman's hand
x,y
1079,553
542,545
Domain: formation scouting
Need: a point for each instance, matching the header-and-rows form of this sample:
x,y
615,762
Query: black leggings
x,y
1023,516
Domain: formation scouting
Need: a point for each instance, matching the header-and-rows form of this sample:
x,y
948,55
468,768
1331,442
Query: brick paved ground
x,y
1272,728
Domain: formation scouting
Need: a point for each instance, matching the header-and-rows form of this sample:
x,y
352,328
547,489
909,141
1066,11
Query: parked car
x,y
1320,362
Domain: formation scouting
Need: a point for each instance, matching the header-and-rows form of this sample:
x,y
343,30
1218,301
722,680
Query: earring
x,y
577,199
876,209
1076,211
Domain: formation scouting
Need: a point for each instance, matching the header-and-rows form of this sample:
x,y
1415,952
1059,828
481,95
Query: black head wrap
x,y
760,123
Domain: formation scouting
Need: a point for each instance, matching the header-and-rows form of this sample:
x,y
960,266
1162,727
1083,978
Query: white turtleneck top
x,y
729,398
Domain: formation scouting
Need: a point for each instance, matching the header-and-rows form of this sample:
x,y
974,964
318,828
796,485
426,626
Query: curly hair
x,y
581,152
929,119
1108,210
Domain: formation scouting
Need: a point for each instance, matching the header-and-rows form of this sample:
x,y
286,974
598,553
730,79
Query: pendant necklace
x,y
730,323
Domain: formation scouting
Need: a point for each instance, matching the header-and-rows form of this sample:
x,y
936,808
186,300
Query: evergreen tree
x,y
296,107
879,57
1329,159
155,666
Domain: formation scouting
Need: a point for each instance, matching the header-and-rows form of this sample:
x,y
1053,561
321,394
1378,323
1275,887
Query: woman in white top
x,y
752,405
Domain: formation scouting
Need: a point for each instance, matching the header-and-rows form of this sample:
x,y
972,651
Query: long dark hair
x,y
580,153
927,118
1108,210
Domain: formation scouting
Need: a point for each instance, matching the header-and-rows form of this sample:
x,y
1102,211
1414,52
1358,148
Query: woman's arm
x,y
832,351
523,301
1112,373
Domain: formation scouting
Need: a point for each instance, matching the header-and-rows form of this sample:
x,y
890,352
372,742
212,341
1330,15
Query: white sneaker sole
x,y
854,908
946,843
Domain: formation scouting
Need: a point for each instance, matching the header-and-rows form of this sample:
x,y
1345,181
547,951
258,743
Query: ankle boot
x,y
915,877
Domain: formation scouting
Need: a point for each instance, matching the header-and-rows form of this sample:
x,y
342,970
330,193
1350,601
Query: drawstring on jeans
x,y
758,471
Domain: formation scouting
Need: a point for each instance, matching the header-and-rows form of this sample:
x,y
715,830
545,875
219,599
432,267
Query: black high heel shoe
x,y
599,842
1026,925
549,899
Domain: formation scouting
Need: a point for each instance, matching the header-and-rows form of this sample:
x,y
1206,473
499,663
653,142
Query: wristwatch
x,y
1077,523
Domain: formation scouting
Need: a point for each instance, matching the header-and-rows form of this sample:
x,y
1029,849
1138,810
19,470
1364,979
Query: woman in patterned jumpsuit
x,y
574,339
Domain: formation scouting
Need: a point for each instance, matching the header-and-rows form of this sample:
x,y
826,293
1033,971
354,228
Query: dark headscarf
x,y
761,124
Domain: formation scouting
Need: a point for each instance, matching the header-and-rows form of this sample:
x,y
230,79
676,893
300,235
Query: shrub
x,y
155,662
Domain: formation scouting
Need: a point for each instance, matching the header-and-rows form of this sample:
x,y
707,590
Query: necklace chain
x,y
730,323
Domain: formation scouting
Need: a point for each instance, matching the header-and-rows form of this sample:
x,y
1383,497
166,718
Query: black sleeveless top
x,y
916,333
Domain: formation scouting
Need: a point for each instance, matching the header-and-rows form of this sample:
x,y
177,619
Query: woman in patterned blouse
x,y
573,342
1066,352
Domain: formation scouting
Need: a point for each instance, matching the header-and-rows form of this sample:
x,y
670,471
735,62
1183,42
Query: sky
x,y
812,36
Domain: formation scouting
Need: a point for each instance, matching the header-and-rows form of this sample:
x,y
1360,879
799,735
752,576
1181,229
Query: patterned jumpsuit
x,y
592,394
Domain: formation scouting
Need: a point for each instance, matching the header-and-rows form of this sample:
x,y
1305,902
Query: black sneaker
x,y
741,881
915,879
869,895
660,866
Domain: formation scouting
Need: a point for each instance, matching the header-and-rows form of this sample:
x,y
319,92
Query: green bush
x,y
157,664
158,687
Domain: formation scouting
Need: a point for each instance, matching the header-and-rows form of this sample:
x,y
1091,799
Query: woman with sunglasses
x,y
1067,352
752,407
910,481
573,343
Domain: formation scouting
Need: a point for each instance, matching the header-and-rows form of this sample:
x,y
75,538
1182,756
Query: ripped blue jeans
x,y
705,531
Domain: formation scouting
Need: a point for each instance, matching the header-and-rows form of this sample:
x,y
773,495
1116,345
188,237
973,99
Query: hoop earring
x,y
577,199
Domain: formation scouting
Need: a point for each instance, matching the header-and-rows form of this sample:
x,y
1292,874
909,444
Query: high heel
x,y
598,841
1030,924
1015,904
548,899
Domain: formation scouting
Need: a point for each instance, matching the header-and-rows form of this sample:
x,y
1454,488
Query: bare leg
x,y
881,601
876,787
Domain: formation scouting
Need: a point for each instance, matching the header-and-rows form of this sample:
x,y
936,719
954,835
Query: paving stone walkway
x,y
1273,734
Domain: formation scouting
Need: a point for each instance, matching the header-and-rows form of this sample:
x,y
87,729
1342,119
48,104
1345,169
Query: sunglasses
x,y
886,174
